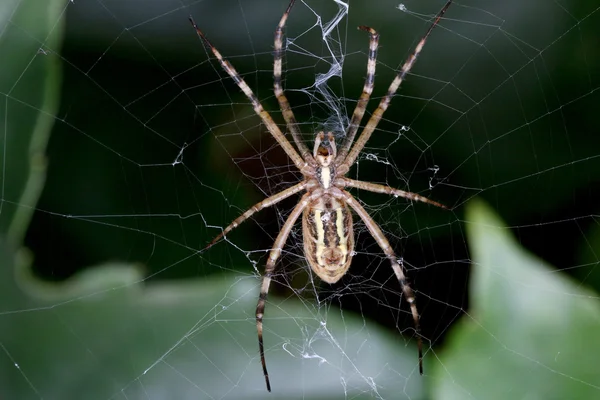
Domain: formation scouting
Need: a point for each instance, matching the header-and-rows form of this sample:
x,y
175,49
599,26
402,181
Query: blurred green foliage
x,y
135,183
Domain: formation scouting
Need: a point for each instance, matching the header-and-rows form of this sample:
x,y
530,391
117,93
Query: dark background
x,y
154,148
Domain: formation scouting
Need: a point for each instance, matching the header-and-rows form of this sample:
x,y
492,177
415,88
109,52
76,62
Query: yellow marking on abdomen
x,y
339,224
320,234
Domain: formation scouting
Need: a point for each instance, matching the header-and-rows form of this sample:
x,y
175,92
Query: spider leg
x,y
376,188
361,104
385,101
258,108
269,201
382,241
266,279
286,110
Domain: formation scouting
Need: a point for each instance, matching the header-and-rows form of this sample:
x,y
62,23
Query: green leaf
x,y
30,36
103,334
532,332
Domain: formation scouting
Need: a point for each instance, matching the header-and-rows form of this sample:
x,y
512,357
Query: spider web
x,y
107,291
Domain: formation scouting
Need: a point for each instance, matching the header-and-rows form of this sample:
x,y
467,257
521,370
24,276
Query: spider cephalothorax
x,y
326,206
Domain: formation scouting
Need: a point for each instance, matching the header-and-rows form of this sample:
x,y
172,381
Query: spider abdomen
x,y
328,237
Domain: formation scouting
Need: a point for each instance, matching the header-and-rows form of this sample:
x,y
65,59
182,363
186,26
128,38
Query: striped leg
x,y
266,279
385,101
361,104
268,202
286,110
382,241
374,187
258,108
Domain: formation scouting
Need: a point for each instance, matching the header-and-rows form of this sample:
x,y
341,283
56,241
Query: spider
x,y
327,226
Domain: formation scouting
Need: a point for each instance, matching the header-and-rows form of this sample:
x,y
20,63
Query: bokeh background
x,y
141,149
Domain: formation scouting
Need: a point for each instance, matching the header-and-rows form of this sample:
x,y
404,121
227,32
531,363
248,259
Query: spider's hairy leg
x,y
382,241
268,202
376,188
284,104
258,108
363,100
385,101
266,279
